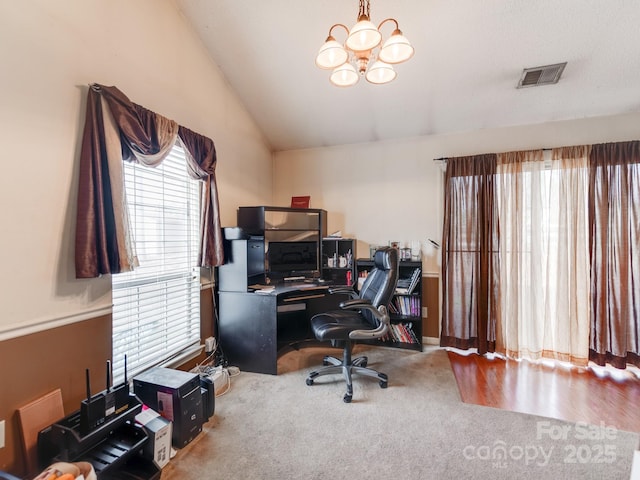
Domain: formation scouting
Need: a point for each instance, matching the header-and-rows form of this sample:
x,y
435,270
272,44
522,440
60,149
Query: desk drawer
x,y
291,307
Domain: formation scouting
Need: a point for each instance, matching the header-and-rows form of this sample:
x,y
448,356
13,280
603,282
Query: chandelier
x,y
364,48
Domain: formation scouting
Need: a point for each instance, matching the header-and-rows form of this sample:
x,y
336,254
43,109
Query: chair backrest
x,y
380,284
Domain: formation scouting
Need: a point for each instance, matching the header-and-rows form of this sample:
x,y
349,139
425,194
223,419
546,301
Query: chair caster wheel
x,y
347,398
382,383
363,364
325,363
309,381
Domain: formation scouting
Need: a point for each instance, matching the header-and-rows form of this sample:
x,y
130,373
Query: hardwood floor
x,y
573,394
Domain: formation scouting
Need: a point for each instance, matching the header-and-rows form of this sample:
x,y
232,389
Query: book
x,y
415,278
406,286
300,202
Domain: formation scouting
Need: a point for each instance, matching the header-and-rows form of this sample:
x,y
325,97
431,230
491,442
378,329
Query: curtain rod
x,y
444,159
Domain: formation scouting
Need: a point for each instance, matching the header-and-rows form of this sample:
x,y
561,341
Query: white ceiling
x,y
469,58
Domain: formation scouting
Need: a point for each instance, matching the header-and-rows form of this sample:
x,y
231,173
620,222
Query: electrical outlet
x,y
208,344
1,433
425,312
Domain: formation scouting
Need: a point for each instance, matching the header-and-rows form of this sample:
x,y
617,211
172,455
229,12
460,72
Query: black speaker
x,y
208,397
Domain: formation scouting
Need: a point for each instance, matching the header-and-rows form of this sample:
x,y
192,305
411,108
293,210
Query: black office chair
x,y
362,317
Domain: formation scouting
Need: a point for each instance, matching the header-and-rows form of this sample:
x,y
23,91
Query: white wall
x,y
50,52
386,191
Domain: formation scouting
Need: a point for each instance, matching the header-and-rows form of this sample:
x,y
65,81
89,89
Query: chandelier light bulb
x,y
380,72
344,76
331,55
363,36
396,49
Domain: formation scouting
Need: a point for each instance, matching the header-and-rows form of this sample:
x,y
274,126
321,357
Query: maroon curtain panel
x,y
614,216
99,249
470,254
96,243
203,151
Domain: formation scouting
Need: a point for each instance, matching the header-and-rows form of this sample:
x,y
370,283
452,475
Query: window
x,y
544,255
156,307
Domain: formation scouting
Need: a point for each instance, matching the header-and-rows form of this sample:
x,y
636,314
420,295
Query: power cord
x,y
215,365
213,369
220,358
228,372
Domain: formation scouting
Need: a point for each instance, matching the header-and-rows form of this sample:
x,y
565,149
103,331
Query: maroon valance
x,y
117,129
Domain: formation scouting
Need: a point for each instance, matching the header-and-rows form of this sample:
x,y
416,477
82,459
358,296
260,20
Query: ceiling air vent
x,y
547,75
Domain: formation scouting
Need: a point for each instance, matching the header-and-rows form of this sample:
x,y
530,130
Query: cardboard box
x,y
158,448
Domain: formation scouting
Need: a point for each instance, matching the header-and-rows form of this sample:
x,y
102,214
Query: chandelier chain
x,y
364,9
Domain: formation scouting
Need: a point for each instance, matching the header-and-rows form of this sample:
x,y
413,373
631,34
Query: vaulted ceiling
x,y
469,57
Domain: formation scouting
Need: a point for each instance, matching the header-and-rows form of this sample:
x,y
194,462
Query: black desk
x,y
253,328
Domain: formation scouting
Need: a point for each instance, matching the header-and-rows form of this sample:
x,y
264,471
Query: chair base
x,y
347,367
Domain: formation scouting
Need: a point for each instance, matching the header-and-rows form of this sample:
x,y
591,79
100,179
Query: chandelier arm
x,y
389,20
338,25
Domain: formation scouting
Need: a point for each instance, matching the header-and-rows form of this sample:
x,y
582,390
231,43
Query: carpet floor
x,y
277,427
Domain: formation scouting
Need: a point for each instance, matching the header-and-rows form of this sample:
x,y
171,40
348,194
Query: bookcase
x,y
405,308
338,260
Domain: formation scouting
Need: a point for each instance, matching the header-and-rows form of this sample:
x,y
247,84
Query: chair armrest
x,y
362,304
383,327
347,290
355,304
380,313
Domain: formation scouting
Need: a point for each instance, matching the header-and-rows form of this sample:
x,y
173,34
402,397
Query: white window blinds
x,y
156,307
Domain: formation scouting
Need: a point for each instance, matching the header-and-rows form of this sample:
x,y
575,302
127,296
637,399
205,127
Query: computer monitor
x,y
293,258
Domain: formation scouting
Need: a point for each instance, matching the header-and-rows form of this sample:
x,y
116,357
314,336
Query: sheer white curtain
x,y
544,252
